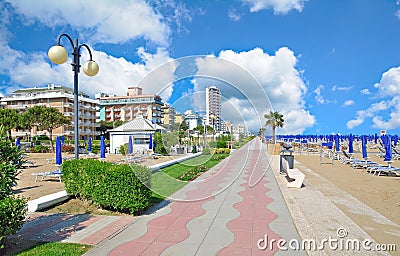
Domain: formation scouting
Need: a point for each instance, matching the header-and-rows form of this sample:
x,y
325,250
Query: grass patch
x,y
22,247
168,180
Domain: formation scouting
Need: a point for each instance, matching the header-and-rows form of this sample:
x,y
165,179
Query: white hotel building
x,y
58,97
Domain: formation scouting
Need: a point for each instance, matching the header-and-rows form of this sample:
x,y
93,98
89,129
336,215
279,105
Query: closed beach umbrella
x,y
102,148
89,148
130,146
364,147
351,150
388,148
395,140
18,142
337,143
151,142
58,151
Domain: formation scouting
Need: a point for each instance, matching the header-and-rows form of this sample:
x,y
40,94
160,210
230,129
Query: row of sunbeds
x,y
371,167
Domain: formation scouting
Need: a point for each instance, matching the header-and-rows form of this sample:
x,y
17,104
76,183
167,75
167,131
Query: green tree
x,y
47,118
105,126
274,119
261,132
12,210
9,119
160,146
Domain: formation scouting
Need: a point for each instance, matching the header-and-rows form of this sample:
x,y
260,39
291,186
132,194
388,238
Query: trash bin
x,y
289,157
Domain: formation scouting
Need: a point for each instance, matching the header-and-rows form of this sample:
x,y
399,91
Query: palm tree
x,y
274,119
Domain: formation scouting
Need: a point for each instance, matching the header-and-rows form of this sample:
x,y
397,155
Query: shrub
x,y
95,149
223,151
41,149
123,149
12,215
206,151
123,188
193,173
68,149
12,210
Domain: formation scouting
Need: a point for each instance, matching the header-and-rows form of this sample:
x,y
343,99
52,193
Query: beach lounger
x,y
323,153
357,163
53,174
378,170
132,160
382,152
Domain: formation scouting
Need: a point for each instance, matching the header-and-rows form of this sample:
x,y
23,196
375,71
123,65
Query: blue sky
x,y
328,66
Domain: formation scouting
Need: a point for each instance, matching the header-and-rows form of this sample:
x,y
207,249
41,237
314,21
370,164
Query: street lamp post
x,y
59,55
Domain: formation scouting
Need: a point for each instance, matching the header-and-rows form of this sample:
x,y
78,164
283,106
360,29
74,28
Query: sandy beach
x,y
381,193
30,189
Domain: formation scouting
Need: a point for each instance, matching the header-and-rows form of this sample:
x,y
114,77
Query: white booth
x,y
139,129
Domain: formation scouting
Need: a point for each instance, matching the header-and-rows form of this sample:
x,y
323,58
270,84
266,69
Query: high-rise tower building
x,y
213,107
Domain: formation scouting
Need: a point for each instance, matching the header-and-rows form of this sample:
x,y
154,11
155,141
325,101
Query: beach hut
x,y
139,130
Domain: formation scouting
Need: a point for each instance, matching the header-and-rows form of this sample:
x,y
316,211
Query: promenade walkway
x,y
226,211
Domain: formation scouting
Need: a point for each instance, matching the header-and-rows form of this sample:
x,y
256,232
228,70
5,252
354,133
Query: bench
x,y
295,176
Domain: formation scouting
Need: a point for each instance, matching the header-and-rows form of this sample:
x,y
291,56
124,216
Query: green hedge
x,y
12,210
122,188
12,215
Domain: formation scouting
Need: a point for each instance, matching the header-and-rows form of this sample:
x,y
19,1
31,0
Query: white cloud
x,y
234,15
365,92
256,82
341,88
114,77
361,115
393,121
99,21
389,85
279,6
389,90
397,14
348,103
354,123
318,94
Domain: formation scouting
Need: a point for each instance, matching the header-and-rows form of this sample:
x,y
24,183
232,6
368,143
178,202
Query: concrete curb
x,y
159,166
46,201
